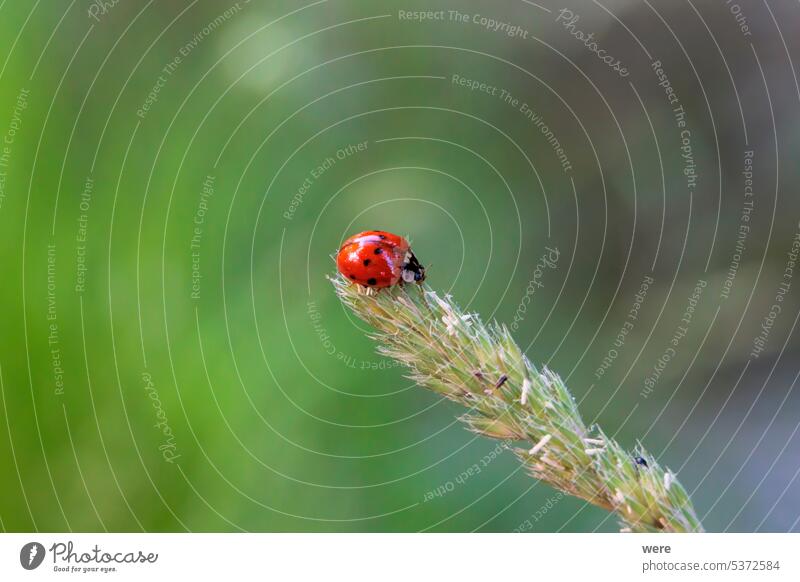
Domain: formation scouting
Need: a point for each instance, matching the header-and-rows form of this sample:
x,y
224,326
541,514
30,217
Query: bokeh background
x,y
175,176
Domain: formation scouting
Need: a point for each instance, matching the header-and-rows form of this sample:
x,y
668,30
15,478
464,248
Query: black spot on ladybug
x,y
353,277
367,262
372,281
382,236
378,251
640,461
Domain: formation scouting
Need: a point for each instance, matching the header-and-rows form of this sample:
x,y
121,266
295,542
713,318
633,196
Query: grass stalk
x,y
481,367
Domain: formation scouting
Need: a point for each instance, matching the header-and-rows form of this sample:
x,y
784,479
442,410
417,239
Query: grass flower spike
x,y
480,366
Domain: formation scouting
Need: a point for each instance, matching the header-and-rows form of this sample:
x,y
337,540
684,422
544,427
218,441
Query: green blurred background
x,y
175,177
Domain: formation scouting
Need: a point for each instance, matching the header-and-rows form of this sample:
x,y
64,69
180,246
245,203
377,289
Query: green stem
x,y
481,367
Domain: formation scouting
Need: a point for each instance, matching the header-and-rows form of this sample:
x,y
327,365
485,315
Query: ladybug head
x,y
413,272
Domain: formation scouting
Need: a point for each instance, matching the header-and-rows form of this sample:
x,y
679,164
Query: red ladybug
x,y
377,259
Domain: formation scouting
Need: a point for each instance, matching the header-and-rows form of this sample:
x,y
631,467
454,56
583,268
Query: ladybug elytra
x,y
377,259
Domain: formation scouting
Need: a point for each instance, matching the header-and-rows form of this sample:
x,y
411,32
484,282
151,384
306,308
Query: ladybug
x,y
377,259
